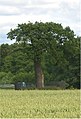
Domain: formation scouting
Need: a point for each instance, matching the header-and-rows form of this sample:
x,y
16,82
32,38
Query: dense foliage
x,y
48,44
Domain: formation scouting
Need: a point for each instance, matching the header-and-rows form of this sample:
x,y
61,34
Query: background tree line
x,y
41,49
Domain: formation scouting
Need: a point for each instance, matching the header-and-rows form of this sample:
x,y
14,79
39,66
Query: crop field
x,y
39,103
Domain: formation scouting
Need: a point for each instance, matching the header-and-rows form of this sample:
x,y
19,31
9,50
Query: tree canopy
x,y
47,50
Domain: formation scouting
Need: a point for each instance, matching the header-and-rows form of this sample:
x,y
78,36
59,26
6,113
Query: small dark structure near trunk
x,y
20,86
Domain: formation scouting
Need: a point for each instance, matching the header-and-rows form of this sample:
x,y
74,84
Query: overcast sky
x,y
13,12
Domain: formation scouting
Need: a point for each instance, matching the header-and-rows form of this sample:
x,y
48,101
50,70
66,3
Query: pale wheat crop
x,y
40,104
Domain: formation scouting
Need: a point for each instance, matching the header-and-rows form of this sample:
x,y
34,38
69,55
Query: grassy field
x,y
40,104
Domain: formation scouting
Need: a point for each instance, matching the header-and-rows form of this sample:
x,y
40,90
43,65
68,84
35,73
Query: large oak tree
x,y
39,38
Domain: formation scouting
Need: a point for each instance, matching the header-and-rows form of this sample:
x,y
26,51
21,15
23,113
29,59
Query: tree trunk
x,y
39,74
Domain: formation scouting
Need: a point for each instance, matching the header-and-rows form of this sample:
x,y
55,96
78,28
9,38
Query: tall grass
x,y
40,104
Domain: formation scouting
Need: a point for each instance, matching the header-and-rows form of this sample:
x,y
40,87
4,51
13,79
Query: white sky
x,y
13,12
